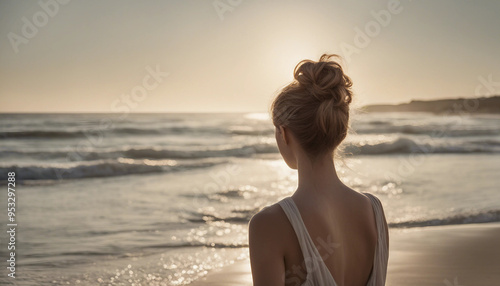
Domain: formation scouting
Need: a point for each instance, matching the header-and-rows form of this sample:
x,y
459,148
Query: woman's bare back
x,y
342,227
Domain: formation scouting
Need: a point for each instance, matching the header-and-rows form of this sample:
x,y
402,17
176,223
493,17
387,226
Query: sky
x,y
235,55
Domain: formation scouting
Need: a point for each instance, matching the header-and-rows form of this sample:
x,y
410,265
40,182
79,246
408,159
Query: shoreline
x,y
452,255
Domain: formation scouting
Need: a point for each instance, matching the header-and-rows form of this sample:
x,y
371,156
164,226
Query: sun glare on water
x,y
258,116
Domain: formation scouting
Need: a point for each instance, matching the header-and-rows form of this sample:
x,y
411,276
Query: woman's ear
x,y
284,133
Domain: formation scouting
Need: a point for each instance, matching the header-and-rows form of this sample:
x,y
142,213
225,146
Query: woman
x,y
325,233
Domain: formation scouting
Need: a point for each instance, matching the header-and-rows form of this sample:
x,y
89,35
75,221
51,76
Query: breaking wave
x,y
147,152
102,168
404,145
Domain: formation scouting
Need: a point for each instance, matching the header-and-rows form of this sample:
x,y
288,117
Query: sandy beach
x,y
440,255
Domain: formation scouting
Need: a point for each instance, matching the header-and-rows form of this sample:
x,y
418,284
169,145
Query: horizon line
x,y
227,112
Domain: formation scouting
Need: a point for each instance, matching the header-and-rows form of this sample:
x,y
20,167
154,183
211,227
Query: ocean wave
x,y
251,131
408,146
230,194
147,153
400,145
93,132
380,122
374,127
487,142
239,216
479,217
198,244
41,134
430,130
136,251
224,196
102,168
213,218
240,151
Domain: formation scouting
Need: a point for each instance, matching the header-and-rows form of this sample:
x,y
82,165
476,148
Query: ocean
x,y
162,199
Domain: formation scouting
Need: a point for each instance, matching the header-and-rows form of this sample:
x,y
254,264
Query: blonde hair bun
x,y
315,106
325,79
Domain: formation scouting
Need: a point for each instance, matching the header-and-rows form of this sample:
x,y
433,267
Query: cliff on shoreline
x,y
457,105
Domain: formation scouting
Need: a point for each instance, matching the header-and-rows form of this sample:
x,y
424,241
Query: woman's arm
x,y
266,249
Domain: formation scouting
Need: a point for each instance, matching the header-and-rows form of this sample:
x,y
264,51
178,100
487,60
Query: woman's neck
x,y
319,177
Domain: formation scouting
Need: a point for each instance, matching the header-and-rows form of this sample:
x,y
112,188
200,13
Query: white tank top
x,y
317,272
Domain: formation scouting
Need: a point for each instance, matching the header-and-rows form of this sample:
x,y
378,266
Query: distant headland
x,y
456,105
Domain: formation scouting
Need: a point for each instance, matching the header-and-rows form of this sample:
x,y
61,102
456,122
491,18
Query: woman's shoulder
x,y
381,222
268,219
362,202
269,241
373,200
268,228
